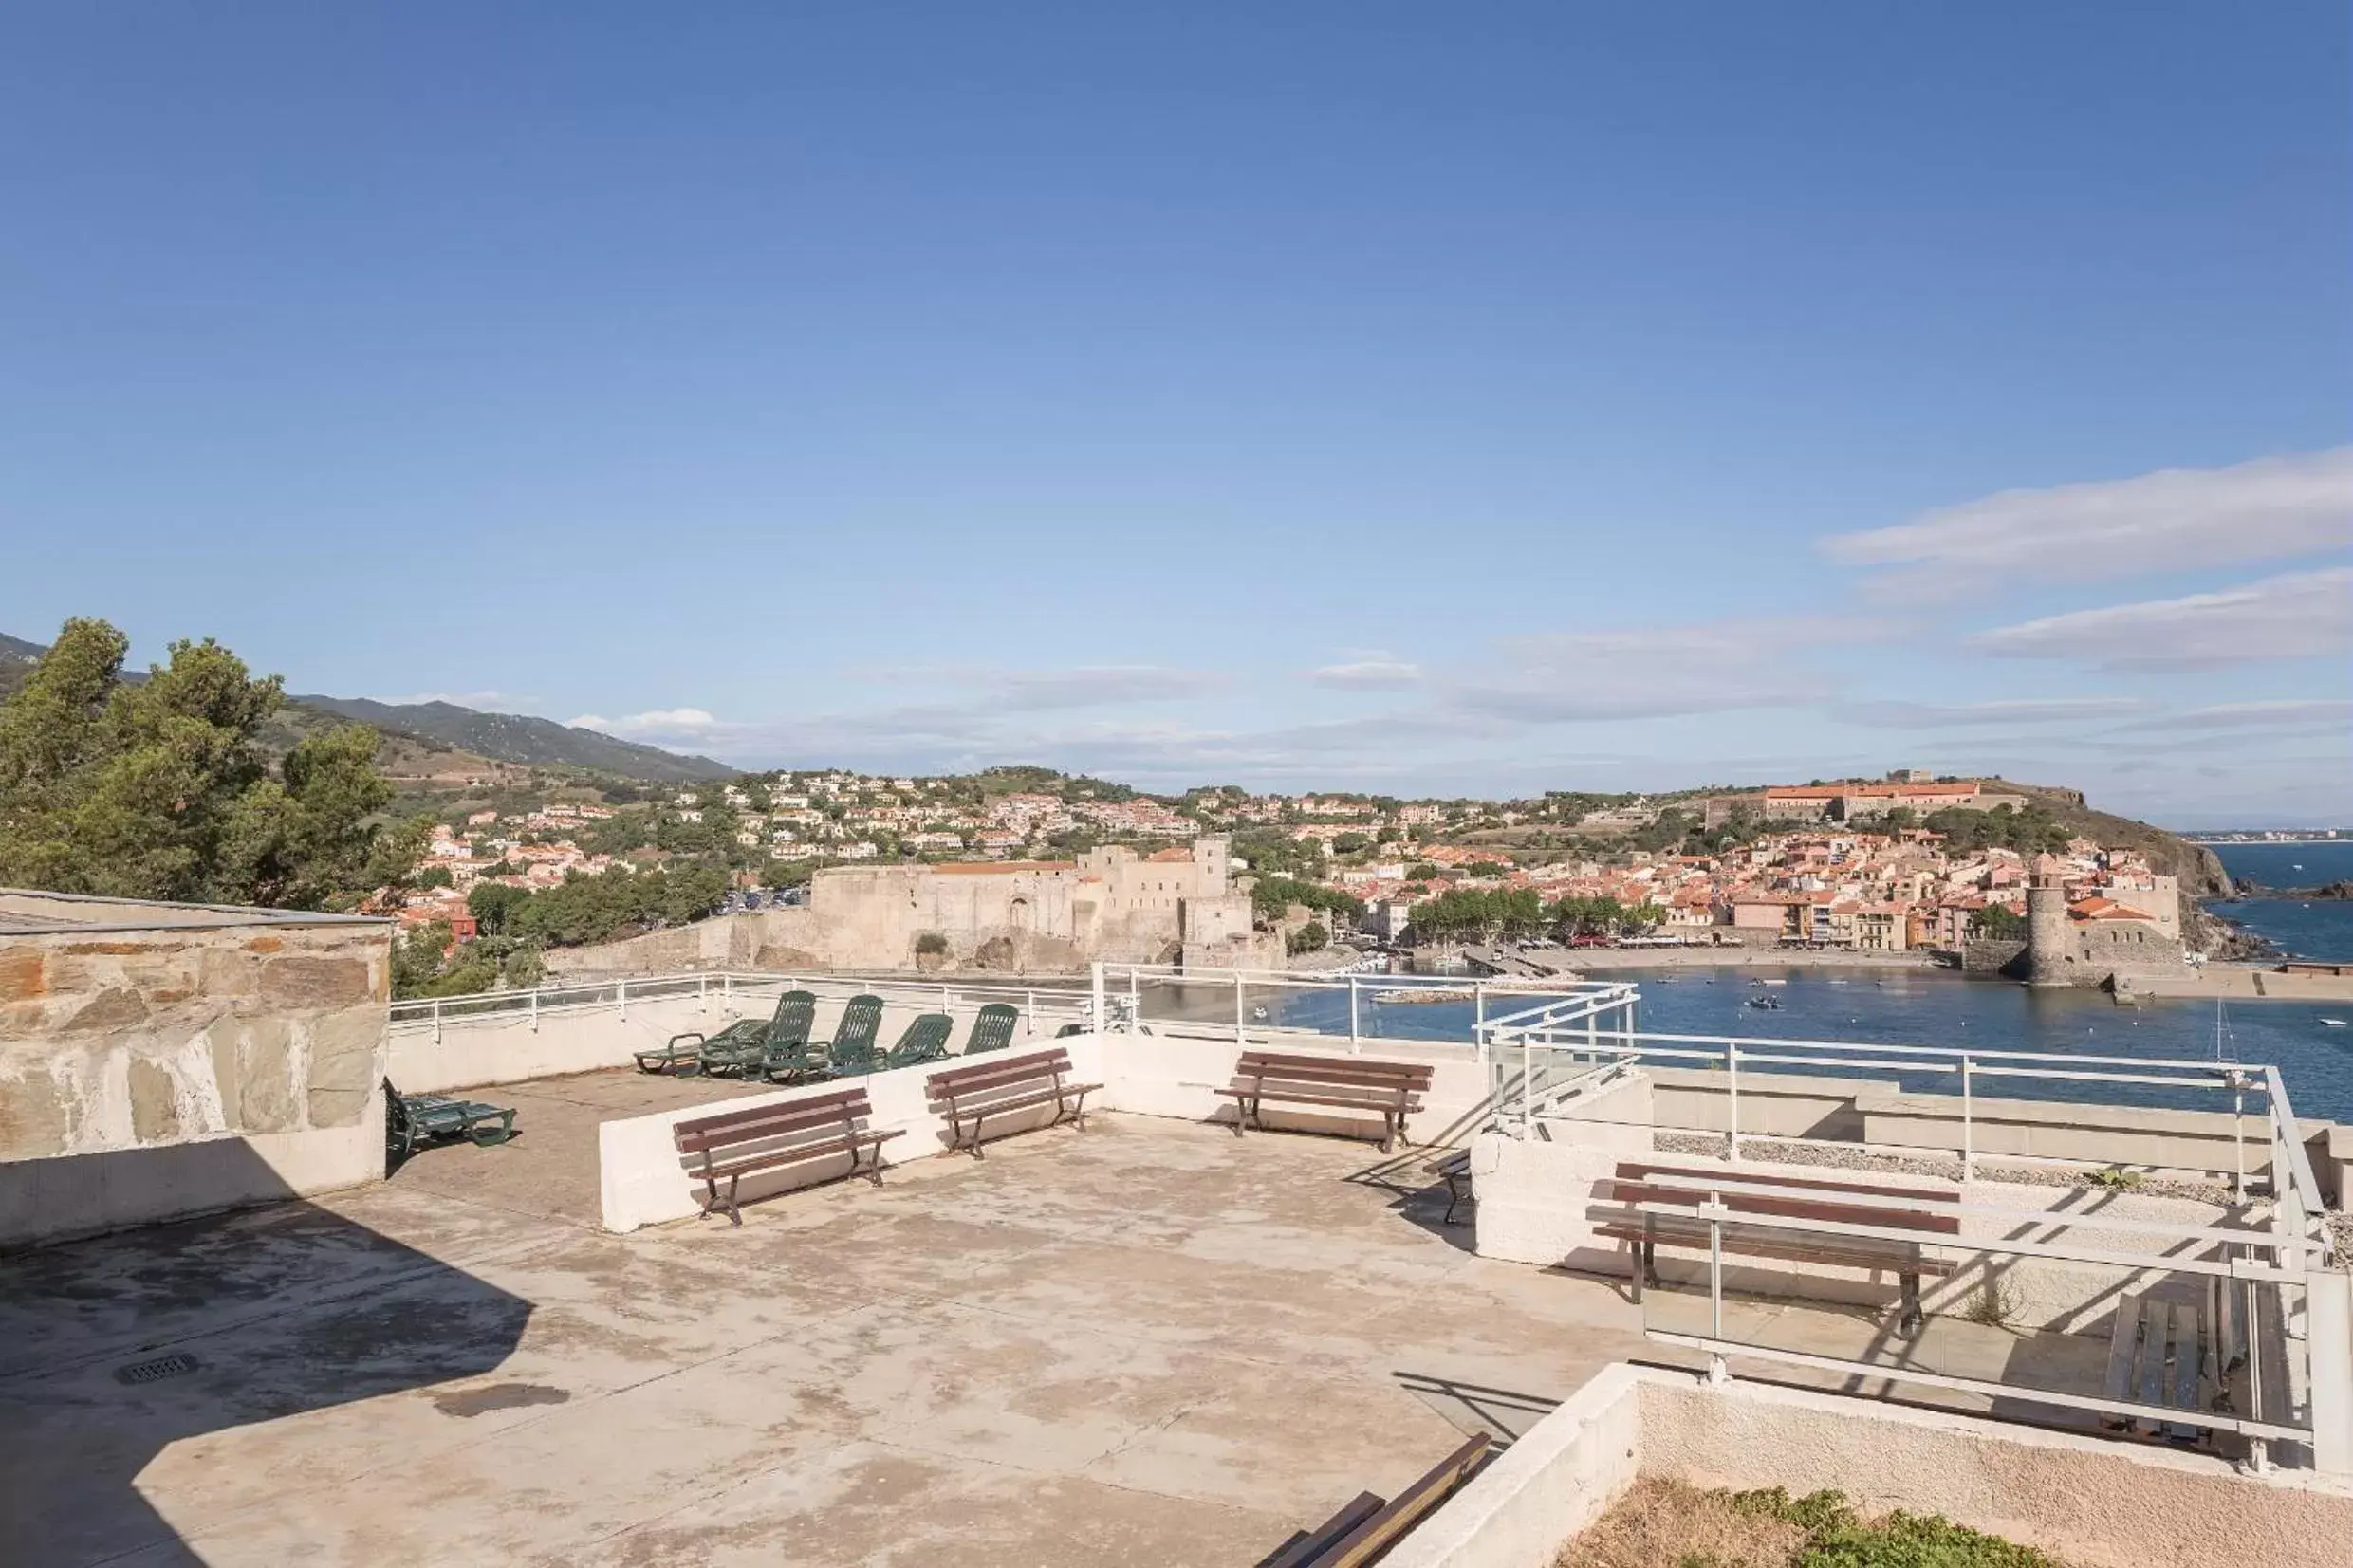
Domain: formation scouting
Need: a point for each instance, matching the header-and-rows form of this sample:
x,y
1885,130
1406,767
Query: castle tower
x,y
2049,962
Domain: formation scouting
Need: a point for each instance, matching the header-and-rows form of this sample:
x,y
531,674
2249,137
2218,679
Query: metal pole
x,y
1716,1285
2238,1143
702,990
1354,1043
1239,1038
1478,1005
1097,970
622,991
535,1010
1527,1090
1029,1016
437,1022
1732,1069
1968,1126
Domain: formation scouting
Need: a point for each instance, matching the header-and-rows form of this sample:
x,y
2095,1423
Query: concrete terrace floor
x,y
1147,1341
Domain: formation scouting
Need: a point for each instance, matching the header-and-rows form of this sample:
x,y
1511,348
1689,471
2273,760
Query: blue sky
x,y
1465,398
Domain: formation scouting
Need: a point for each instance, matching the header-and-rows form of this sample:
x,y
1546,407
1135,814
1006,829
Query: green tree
x,y
159,789
1997,923
1310,937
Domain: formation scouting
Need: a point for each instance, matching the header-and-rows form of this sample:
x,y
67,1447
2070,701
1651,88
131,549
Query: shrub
x,y
2115,1178
930,944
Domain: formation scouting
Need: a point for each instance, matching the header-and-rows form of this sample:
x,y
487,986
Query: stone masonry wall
x,y
119,1039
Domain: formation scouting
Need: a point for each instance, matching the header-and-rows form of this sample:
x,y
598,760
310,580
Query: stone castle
x,y
1181,905
2098,941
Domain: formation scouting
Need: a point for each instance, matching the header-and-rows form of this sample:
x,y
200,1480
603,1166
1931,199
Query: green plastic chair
x,y
993,1029
785,1046
852,1048
736,1048
925,1040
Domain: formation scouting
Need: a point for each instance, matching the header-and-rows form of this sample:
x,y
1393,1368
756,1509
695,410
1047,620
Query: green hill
x,y
518,738
442,741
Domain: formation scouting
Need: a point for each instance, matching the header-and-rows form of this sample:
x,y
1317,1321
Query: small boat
x,y
2337,1024
1769,1004
1259,1014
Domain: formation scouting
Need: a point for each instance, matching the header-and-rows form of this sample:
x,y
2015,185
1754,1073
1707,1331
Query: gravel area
x,y
1941,1170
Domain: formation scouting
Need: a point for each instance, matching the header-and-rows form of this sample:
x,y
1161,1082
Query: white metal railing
x,y
1536,1035
1125,995
2256,1273
1042,1001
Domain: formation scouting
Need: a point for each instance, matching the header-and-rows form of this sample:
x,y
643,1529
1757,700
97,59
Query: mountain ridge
x,y
446,738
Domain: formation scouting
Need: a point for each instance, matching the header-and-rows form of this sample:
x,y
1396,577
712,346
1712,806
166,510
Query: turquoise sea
x,y
1941,1008
2321,929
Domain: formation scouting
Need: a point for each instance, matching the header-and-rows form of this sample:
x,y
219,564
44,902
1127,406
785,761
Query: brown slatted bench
x,y
1634,1183
1005,1084
736,1144
1345,1082
2175,1354
1366,1525
1455,1167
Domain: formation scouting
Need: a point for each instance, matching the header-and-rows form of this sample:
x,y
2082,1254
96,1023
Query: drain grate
x,y
174,1365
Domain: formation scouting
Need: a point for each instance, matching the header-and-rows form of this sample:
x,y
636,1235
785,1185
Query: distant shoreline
x,y
1747,958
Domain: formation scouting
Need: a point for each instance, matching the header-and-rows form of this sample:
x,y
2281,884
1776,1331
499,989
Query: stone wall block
x,y
299,982
346,1058
24,974
337,1107
115,1008
32,1117
265,1090
155,1102
225,974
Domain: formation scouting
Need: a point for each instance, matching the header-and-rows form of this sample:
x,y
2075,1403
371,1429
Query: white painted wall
x,y
2089,1501
642,1180
472,1053
85,1194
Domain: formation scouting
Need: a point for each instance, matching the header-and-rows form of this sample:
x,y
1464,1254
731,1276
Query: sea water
x,y
2320,928
1935,1008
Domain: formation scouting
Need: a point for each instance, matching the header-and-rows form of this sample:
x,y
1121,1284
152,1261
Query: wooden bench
x,y
2173,1354
1392,1089
1366,1525
1635,1182
736,1144
1455,1167
1005,1084
413,1119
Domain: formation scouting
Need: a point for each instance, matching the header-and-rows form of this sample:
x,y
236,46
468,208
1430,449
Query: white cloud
x,y
1922,715
2300,615
1658,671
2171,520
1039,690
2300,714
1367,670
1034,691
658,722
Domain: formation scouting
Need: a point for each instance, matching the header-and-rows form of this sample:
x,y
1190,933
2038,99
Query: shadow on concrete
x,y
1504,1415
119,1355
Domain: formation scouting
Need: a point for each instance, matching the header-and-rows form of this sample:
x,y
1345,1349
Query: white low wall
x,y
2094,1502
87,1194
475,1052
642,1180
1164,1075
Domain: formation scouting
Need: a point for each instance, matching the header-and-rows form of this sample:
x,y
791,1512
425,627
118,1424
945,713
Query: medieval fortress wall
x,y
1017,917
